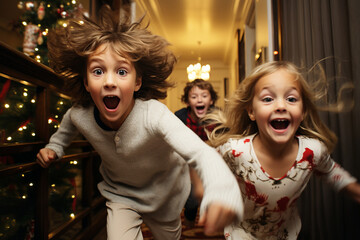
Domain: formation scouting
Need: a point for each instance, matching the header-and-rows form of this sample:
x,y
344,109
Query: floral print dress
x,y
270,203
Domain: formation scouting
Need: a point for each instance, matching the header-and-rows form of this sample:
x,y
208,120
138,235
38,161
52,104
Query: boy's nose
x,y
109,81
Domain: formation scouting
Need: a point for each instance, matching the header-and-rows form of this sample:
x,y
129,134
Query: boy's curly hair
x,y
202,84
69,48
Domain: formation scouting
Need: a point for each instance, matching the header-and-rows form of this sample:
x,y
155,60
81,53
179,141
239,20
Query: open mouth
x,y
111,102
280,124
200,107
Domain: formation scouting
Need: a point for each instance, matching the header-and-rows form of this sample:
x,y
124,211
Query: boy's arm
x,y
222,198
216,218
58,142
45,157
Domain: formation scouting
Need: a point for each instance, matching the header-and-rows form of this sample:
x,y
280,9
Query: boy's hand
x,y
215,218
45,157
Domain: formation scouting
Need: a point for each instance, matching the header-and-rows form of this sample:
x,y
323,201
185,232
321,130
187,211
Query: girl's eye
x,y
122,72
292,99
98,71
267,99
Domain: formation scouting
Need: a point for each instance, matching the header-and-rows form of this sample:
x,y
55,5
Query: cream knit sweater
x,y
144,163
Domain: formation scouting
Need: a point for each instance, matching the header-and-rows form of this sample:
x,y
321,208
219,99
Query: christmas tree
x,y
39,17
17,200
17,125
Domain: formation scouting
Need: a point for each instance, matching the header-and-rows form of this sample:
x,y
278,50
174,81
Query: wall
x,y
250,49
9,14
264,30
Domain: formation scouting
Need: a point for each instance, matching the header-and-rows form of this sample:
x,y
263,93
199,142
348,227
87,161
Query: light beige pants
x,y
124,223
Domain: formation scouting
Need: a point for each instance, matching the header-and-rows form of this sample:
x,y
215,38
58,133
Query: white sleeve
x,y
220,184
331,172
62,138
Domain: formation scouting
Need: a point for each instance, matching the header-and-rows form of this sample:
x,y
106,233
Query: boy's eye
x,y
98,71
122,72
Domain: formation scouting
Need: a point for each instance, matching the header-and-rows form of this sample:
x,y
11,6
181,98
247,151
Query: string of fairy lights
x,y
18,106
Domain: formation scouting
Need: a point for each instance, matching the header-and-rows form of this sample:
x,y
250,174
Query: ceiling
x,y
185,23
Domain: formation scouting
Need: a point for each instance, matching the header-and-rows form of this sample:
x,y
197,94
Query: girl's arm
x,y
353,190
335,175
197,184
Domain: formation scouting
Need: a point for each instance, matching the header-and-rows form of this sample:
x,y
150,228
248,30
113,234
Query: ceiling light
x,y
198,71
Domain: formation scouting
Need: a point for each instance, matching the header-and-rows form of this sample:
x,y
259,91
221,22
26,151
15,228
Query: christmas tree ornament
x,y
60,9
41,11
29,5
64,14
20,5
30,39
46,15
40,39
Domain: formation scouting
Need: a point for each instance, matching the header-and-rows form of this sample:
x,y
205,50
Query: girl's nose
x,y
280,105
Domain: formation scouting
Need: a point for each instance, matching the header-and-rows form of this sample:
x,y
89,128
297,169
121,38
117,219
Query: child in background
x,y
200,97
116,71
273,140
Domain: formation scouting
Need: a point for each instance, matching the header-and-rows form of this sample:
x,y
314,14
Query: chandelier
x,y
198,71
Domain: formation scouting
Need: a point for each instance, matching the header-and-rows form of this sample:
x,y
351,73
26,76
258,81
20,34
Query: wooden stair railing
x,y
16,66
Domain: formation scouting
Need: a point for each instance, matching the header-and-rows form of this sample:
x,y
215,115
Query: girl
x,y
116,70
273,140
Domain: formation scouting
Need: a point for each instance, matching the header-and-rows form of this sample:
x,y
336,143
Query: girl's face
x,y
199,102
111,81
277,107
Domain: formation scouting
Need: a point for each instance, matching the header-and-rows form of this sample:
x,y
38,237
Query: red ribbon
x,y
5,90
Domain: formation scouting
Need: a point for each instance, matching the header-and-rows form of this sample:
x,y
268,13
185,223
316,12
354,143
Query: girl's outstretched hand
x,y
215,218
45,157
353,190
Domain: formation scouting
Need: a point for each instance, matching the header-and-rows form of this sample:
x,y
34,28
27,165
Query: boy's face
x,y
199,102
111,81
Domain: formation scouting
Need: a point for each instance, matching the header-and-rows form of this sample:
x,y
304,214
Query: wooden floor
x,y
188,233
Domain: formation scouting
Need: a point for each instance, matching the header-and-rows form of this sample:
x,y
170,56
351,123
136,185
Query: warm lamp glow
x,y
198,71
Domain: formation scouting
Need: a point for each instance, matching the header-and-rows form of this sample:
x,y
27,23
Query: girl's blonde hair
x,y
70,47
234,122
